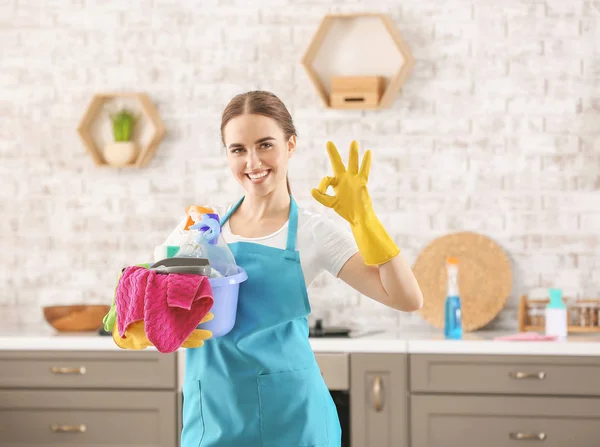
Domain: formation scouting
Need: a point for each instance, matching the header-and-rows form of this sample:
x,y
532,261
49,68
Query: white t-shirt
x,y
324,245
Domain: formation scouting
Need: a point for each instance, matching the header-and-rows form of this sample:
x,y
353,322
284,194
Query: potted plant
x,y
123,150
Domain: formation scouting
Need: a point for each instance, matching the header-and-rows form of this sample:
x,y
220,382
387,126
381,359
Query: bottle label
x,y
556,322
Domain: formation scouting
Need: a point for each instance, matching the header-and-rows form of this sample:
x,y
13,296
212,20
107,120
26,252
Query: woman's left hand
x,y
351,200
353,203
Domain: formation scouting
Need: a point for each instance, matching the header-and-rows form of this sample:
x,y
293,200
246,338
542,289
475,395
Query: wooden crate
x,y
353,92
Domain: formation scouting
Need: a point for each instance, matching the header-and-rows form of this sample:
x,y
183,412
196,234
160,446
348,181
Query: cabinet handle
x,y
523,375
528,436
81,428
62,370
378,401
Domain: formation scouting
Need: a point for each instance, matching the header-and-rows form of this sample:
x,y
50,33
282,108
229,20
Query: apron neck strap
x,y
292,225
231,211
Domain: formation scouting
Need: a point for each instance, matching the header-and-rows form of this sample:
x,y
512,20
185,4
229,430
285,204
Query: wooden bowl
x,y
76,318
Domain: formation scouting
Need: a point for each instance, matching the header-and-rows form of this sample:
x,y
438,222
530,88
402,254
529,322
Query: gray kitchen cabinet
x,y
505,374
503,400
378,400
88,398
87,369
500,421
87,418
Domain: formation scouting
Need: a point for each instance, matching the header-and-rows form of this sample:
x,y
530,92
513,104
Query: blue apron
x,y
260,385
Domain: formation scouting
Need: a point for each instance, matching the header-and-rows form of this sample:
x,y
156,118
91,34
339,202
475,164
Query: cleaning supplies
x,y
194,213
213,245
135,337
204,239
556,315
165,251
110,318
452,311
194,266
170,305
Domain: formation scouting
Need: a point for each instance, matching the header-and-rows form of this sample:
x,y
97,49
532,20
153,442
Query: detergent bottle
x,y
452,310
556,315
214,247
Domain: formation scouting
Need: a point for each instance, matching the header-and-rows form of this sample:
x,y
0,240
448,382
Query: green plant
x,y
123,123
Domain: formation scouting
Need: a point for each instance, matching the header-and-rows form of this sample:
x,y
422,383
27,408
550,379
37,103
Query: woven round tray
x,y
484,278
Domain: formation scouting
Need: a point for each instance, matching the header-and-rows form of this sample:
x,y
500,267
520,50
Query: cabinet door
x,y
87,418
378,400
82,369
505,374
335,369
501,421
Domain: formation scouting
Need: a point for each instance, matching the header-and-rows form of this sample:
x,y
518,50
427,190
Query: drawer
x,y
498,421
90,418
543,375
335,369
99,369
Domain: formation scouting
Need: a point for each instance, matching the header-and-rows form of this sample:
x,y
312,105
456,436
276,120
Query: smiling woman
x,y
260,383
263,116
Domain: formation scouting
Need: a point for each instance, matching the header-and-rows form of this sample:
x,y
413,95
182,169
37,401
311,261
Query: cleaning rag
x,y
526,336
171,306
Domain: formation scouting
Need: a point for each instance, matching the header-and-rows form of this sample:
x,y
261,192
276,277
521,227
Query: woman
x,y
260,385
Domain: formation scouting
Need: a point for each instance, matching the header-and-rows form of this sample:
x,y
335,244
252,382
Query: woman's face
x,y
258,153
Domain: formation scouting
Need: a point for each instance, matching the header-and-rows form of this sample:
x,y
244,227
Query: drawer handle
x,y
528,436
378,401
62,370
81,428
523,375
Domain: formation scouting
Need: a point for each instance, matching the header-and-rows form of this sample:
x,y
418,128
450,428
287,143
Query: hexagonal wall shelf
x,y
94,128
363,53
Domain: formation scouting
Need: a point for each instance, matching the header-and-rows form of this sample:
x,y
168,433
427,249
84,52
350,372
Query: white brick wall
x,y
497,130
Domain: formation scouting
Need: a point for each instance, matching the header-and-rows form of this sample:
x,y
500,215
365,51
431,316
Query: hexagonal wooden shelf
x,y
92,113
389,60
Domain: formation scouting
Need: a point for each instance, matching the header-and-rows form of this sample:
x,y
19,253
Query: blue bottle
x,y
452,311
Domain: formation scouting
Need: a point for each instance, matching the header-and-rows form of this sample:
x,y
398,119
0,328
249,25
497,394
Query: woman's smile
x,y
258,176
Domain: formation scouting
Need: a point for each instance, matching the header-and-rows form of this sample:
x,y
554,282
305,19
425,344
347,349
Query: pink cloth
x,y
526,336
171,306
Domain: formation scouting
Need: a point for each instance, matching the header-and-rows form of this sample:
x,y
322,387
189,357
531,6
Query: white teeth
x,y
257,176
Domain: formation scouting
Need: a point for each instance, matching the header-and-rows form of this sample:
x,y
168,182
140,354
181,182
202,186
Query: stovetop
x,y
318,331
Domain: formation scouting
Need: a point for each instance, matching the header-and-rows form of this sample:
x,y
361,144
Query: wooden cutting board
x,y
484,278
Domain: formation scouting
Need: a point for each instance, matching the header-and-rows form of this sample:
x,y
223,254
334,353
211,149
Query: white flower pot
x,y
120,153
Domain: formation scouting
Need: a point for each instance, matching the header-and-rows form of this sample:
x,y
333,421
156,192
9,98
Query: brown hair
x,y
260,102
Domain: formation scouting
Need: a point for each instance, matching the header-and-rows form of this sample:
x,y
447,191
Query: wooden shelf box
x,y
356,92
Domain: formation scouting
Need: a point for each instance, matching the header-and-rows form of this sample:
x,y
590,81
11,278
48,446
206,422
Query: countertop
x,y
482,342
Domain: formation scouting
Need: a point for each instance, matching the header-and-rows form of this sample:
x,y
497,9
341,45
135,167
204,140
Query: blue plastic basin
x,y
225,292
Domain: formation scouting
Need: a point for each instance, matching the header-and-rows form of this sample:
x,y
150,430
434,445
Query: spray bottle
x,y
452,314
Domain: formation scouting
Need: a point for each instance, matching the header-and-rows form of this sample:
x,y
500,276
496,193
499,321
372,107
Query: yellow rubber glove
x,y
136,339
353,203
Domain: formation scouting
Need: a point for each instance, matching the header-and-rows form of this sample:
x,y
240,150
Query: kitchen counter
x,y
481,342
